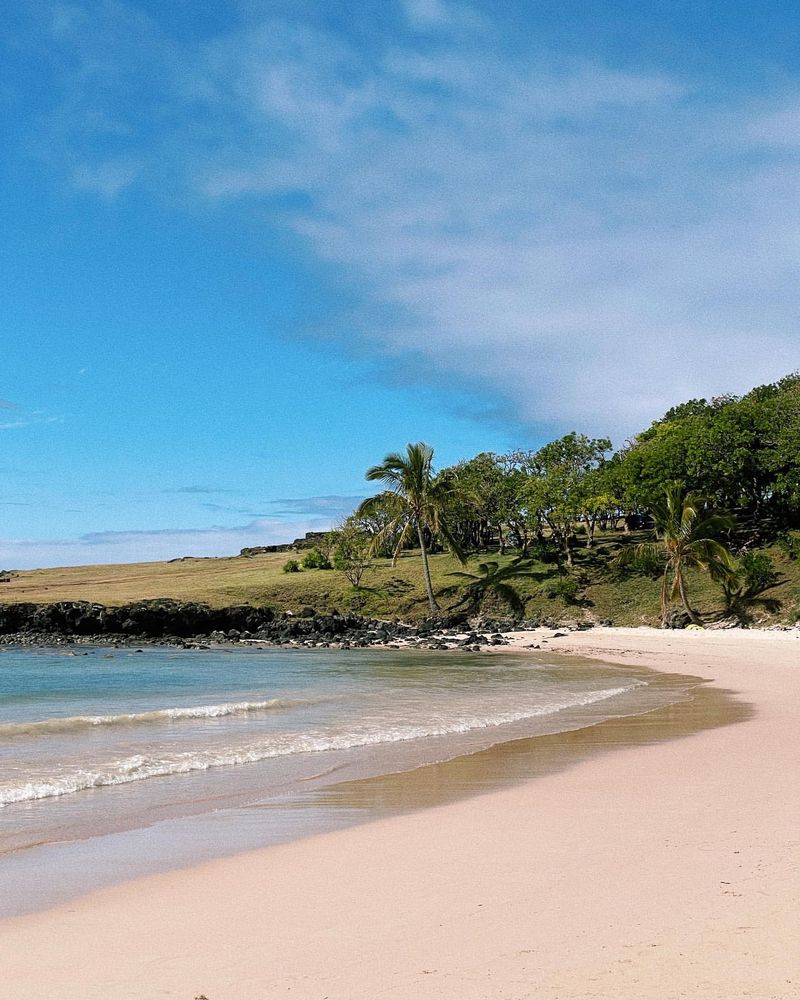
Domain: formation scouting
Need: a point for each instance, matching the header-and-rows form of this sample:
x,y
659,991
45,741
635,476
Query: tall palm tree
x,y
415,503
686,531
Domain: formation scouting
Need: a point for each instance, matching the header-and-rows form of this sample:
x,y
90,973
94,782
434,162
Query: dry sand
x,y
660,871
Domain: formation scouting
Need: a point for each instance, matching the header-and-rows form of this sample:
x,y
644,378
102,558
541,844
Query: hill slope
x,y
387,592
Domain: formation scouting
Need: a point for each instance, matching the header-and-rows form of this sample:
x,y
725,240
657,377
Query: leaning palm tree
x,y
686,537
415,503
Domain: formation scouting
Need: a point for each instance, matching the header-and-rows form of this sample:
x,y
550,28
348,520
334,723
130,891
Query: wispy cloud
x,y
199,490
106,179
587,242
427,13
333,506
28,420
224,508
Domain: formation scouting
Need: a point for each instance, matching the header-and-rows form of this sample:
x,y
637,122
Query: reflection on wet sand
x,y
523,759
55,872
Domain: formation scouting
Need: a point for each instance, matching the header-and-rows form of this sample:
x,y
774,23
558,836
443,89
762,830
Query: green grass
x,y
386,591
257,580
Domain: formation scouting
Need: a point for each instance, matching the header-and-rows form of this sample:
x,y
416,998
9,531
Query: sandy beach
x,y
653,871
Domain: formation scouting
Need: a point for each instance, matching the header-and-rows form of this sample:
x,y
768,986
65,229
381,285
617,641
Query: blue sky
x,y
249,247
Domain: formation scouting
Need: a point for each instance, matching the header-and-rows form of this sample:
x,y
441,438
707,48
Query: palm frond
x,y
647,550
387,502
714,524
452,542
403,539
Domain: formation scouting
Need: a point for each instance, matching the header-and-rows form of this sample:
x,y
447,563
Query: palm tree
x,y
686,528
493,578
414,501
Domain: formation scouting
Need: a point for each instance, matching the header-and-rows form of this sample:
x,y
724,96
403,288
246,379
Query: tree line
x,y
725,472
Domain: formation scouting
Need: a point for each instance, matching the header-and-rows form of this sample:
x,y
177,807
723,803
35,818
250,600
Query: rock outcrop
x,y
191,624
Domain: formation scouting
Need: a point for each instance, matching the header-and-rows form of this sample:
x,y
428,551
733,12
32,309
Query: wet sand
x,y
634,864
218,814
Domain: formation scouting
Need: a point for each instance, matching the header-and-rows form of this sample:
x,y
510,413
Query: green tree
x,y
475,491
522,518
376,525
687,531
565,487
351,553
327,543
415,504
741,452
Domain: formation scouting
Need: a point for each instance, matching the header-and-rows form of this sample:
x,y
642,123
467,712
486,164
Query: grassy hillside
x,y
389,592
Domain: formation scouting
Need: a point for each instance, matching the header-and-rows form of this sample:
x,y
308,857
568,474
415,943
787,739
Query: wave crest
x,y
76,723
141,766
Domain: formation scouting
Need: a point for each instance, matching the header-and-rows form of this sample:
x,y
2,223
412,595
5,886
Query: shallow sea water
x,y
120,762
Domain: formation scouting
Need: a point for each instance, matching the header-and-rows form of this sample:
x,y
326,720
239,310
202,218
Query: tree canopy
x,y
725,466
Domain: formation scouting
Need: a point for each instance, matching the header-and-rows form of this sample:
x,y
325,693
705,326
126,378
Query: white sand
x,y
658,872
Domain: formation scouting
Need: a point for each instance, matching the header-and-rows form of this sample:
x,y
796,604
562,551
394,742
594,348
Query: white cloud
x,y
106,179
591,244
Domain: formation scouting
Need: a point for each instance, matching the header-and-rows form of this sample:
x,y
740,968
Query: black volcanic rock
x,y
149,619
192,625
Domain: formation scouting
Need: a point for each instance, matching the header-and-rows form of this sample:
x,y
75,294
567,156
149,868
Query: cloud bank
x,y
586,243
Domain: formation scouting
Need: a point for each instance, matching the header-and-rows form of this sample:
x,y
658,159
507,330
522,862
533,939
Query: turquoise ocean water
x,y
102,743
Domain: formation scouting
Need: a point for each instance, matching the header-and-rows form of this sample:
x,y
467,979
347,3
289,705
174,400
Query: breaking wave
x,y
141,766
77,723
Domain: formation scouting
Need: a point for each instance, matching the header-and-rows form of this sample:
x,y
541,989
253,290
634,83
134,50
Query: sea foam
x,y
141,766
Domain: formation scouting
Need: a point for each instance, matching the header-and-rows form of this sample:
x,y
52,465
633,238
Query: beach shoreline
x,y
649,871
173,823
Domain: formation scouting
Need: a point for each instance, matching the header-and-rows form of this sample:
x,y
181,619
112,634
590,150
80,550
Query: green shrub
x,y
646,562
291,566
791,546
543,552
314,559
757,571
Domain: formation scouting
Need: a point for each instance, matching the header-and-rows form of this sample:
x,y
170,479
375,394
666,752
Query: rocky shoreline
x,y
192,625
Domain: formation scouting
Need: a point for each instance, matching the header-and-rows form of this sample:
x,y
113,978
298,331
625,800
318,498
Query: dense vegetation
x,y
714,480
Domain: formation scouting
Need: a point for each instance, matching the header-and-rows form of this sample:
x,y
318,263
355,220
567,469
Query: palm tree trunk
x,y
685,598
664,579
426,570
